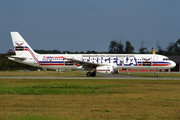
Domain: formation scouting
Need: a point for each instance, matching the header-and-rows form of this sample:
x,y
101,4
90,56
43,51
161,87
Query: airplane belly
x,y
58,67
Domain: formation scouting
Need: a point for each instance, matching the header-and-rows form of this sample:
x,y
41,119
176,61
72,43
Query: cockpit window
x,y
165,59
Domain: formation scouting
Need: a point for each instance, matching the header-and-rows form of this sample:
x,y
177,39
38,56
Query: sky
x,y
82,25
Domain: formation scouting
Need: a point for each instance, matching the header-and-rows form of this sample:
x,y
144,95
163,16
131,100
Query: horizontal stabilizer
x,y
16,57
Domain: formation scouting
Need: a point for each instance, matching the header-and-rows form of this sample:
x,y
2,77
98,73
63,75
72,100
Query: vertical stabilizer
x,y
20,45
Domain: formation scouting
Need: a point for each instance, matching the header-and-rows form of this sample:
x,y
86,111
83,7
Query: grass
x,y
42,73
64,88
89,99
31,117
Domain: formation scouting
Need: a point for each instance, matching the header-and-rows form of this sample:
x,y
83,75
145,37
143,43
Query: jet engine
x,y
106,69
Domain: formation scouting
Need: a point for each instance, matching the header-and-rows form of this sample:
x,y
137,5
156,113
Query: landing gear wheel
x,y
155,75
93,74
88,74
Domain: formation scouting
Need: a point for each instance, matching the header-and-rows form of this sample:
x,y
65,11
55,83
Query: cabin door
x,y
155,58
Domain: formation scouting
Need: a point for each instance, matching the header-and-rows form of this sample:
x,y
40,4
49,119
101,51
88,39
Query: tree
x,y
129,48
159,49
116,47
142,49
173,49
113,47
120,48
56,52
170,50
91,52
48,51
176,49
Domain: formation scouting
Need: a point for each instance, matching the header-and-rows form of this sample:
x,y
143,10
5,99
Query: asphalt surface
x,y
120,77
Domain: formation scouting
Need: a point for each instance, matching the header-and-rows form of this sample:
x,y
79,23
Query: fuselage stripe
x,y
54,63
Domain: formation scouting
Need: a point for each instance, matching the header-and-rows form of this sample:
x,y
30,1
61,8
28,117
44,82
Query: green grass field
x,y
62,99
42,73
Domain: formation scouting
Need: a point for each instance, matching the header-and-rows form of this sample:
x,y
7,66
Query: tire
x,y
93,74
155,75
88,74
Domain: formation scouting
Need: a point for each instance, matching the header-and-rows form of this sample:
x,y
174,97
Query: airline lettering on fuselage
x,y
53,57
119,60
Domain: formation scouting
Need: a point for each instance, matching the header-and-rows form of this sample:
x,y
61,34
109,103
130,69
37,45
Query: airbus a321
x,y
93,63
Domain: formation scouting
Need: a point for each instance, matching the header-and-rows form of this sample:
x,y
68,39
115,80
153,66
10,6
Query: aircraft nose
x,y
173,64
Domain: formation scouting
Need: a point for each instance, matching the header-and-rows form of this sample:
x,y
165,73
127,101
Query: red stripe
x,y
50,64
31,54
160,64
122,70
132,70
142,70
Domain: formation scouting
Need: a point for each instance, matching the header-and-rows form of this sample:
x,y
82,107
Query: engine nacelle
x,y
105,69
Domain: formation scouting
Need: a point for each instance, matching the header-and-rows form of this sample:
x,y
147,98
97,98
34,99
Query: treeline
x,y
6,64
115,47
66,52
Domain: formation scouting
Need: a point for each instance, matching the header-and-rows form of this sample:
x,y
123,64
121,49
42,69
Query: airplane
x,y
93,63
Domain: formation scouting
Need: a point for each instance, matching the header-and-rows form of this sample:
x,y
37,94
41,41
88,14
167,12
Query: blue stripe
x,y
157,62
161,62
51,61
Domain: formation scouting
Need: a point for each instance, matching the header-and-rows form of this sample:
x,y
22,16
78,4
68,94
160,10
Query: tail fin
x,y
20,45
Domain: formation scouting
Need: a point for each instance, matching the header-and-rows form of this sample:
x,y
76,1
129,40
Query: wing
x,y
85,64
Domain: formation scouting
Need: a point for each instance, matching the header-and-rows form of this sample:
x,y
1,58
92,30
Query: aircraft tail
x,y
20,45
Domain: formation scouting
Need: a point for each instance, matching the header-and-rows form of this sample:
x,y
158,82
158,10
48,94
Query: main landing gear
x,y
91,74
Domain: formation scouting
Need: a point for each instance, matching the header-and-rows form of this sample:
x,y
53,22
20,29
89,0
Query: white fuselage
x,y
118,61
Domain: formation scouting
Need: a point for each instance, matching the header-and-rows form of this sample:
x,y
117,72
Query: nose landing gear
x,y
155,75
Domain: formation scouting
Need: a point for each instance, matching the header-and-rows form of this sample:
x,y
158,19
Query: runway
x,y
118,77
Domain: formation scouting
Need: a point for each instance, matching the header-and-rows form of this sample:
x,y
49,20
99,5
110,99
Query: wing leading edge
x,y
84,64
